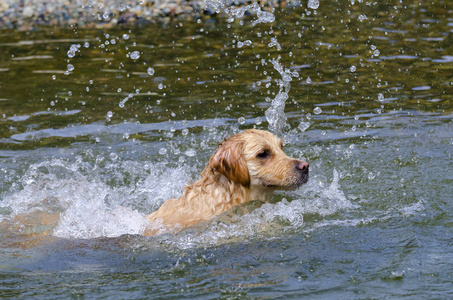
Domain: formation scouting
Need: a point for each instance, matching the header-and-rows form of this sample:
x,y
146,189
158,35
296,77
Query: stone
x,y
28,12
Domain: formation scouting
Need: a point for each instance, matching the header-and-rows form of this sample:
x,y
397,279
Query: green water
x,y
106,143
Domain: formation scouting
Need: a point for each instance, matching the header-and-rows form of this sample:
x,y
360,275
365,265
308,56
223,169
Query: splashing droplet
x,y
317,110
381,97
135,55
303,126
313,4
113,156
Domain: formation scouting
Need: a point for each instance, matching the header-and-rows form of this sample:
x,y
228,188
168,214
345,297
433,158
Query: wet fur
x,y
246,167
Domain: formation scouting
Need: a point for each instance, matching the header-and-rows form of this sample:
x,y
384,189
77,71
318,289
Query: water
x,y
98,128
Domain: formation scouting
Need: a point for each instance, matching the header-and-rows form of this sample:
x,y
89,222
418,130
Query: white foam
x,y
271,219
89,207
91,219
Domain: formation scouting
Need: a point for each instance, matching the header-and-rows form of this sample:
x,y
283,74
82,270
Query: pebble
x,y
28,14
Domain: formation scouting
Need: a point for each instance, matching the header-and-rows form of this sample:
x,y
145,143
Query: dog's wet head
x,y
255,158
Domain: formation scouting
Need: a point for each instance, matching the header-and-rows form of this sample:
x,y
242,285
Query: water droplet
x,y
376,52
308,80
126,136
317,110
135,55
70,67
52,103
160,86
381,97
72,50
258,121
313,4
241,120
54,77
185,131
109,114
190,152
113,156
162,151
125,36
352,69
150,71
303,126
362,17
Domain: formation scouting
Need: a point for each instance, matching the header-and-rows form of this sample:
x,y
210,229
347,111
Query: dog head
x,y
255,158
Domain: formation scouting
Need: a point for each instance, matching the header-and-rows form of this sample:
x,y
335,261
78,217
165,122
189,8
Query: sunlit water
x,y
101,127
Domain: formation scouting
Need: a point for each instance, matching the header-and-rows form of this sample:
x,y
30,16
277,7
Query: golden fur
x,y
245,167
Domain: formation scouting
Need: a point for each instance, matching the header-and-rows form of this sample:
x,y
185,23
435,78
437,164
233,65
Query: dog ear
x,y
228,160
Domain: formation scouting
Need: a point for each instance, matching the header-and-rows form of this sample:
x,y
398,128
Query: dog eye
x,y
264,154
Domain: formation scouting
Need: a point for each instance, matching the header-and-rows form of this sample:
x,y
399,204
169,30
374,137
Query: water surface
x,y
99,135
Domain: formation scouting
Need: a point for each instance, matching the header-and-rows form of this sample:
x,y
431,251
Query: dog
x,y
247,166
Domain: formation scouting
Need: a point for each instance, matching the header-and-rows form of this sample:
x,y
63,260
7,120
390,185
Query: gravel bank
x,y
27,14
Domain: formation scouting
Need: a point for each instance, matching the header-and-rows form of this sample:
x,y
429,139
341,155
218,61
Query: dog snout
x,y
302,166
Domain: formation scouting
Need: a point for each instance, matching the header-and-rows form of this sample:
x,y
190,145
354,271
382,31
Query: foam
x,y
110,198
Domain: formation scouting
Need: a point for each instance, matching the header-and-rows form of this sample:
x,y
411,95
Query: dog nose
x,y
303,166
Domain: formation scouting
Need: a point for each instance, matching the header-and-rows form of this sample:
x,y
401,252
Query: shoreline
x,y
29,15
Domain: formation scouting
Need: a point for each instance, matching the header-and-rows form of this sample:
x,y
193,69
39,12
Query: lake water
x,y
99,127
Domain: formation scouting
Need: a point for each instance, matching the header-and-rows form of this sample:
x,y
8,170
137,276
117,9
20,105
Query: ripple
x,y
421,88
444,59
33,57
18,118
399,57
434,39
48,71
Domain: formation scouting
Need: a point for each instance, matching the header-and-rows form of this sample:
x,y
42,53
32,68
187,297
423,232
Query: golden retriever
x,y
247,166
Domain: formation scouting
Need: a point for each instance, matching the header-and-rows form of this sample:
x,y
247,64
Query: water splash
x,y
269,220
239,12
275,114
92,199
97,196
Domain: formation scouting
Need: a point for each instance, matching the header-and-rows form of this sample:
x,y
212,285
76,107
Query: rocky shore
x,y
28,14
